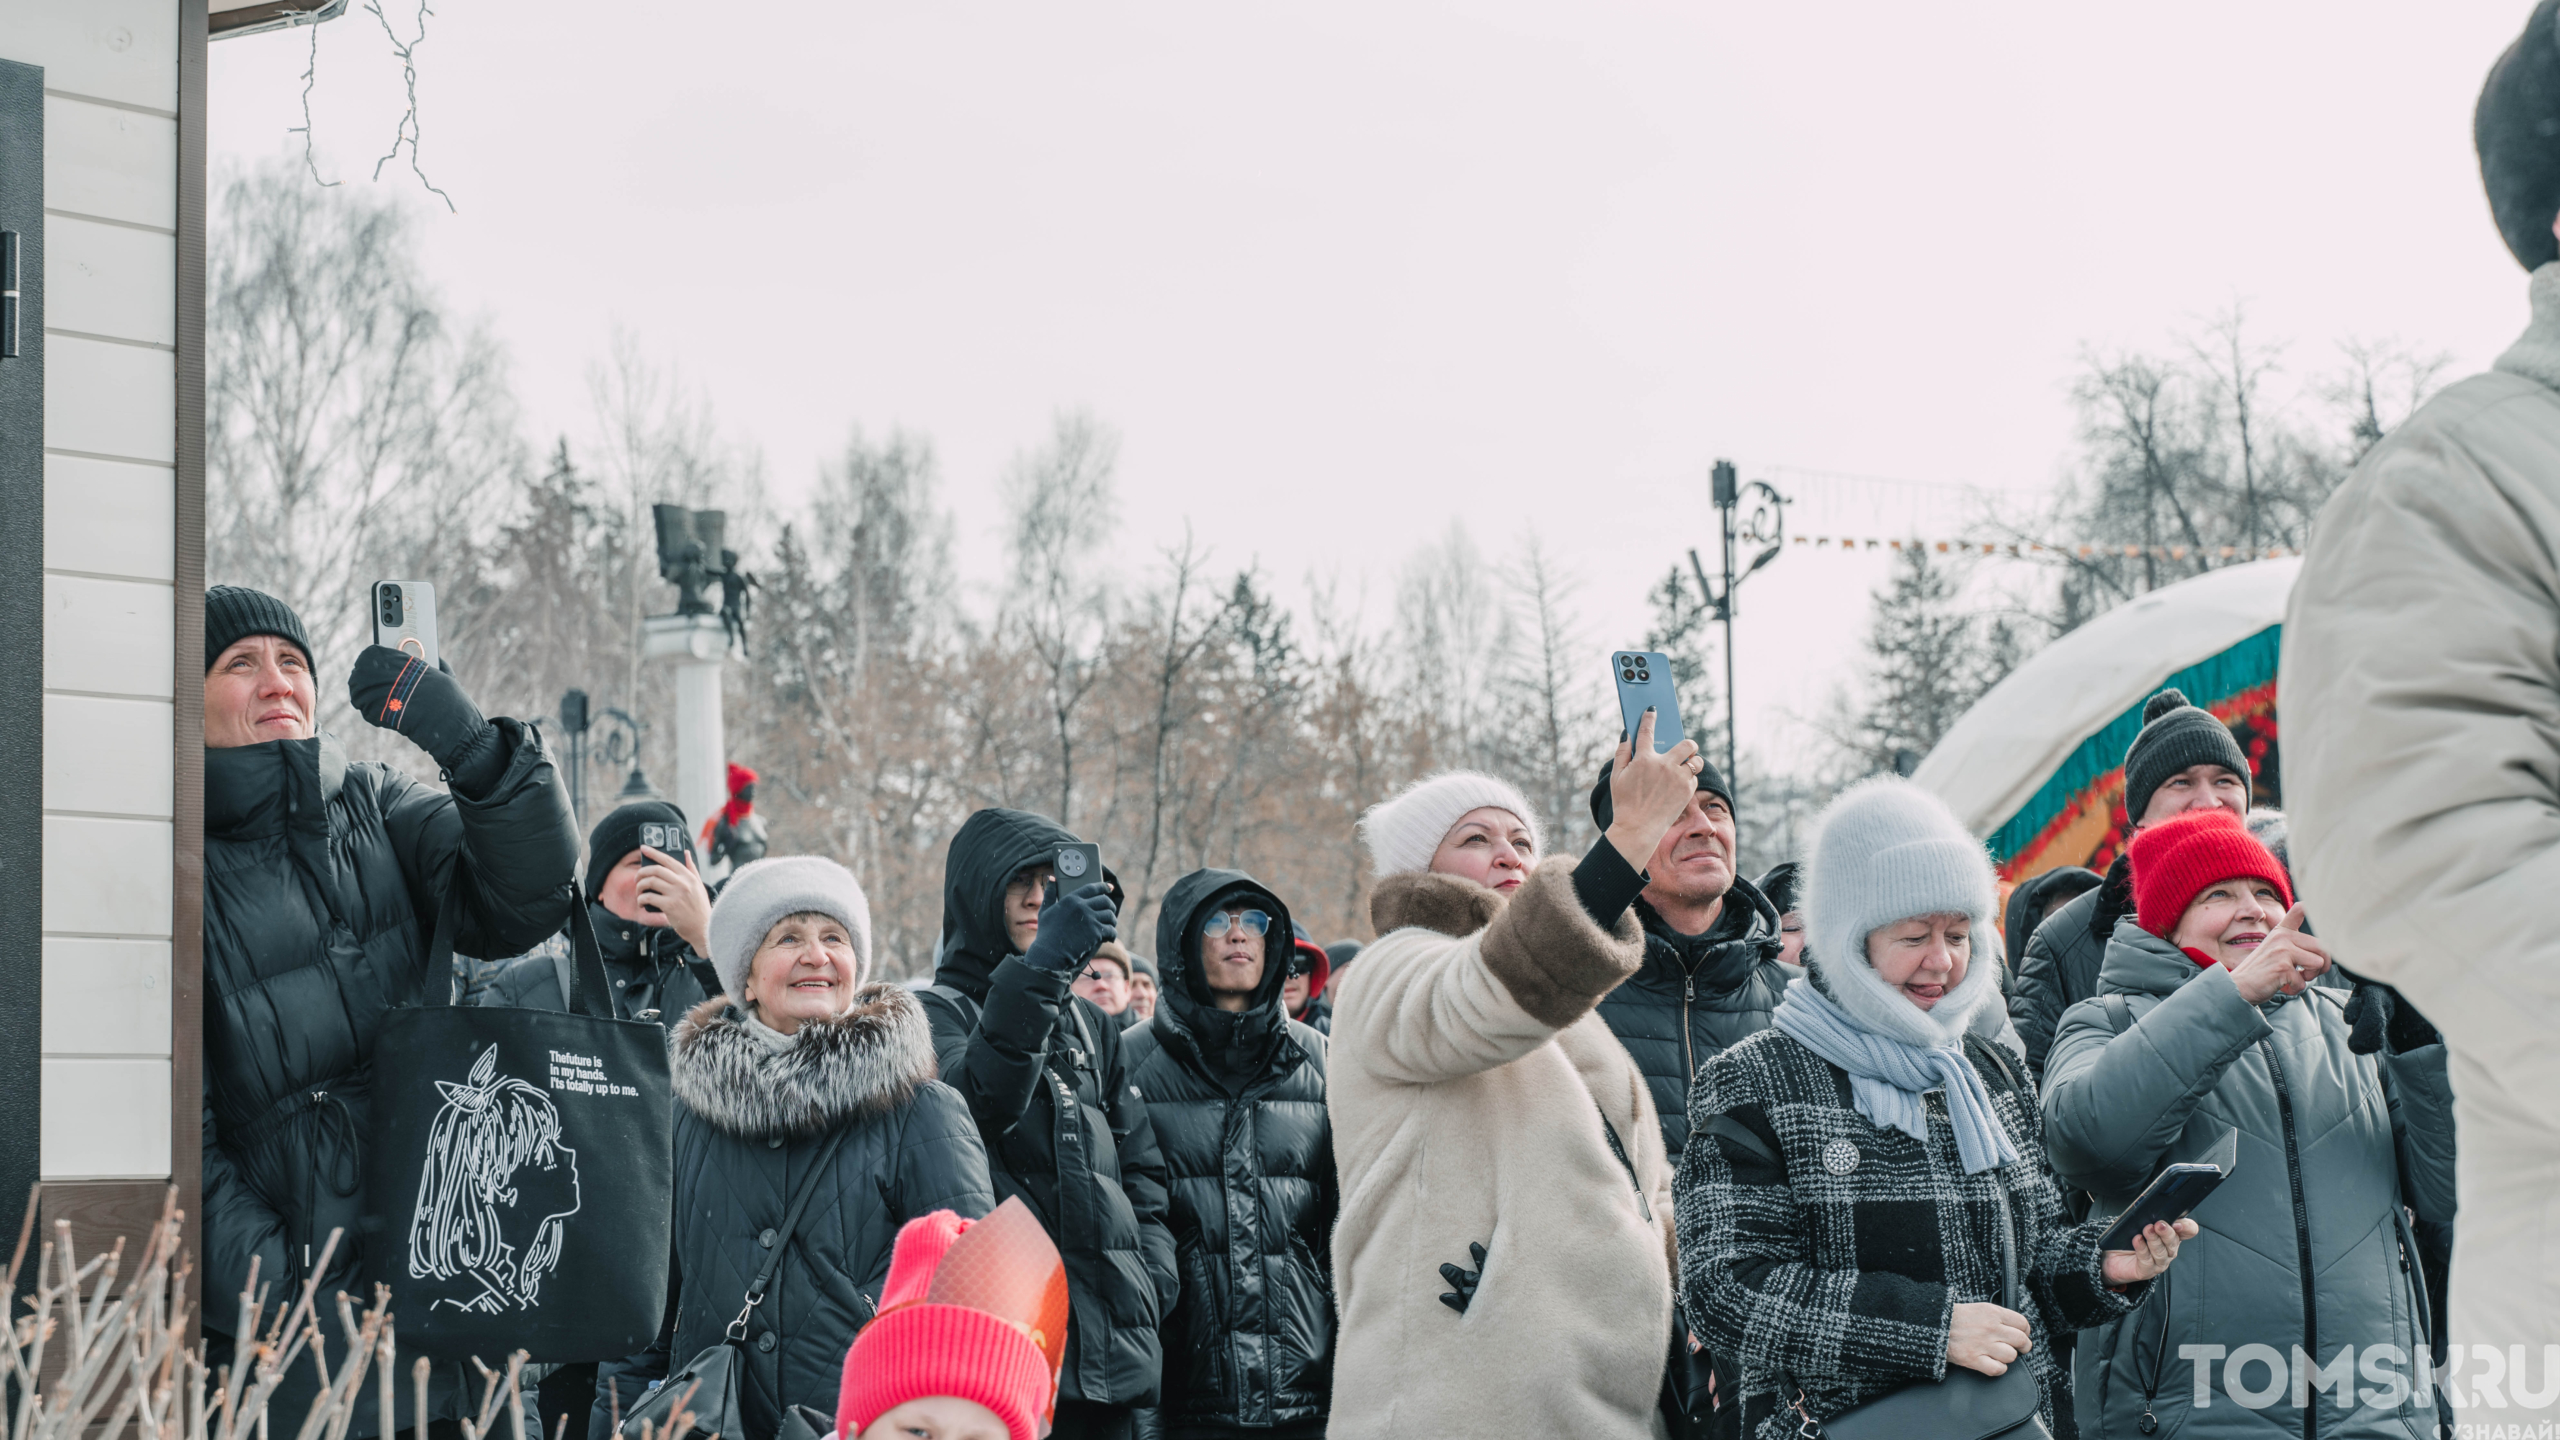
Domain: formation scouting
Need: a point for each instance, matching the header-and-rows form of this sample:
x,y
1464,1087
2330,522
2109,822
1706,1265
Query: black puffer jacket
x,y
1238,1104
321,886
752,1121
2060,965
656,976
1695,995
1044,1077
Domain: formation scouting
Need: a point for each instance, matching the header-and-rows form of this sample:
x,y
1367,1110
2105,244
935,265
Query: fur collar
x,y
1857,989
1444,903
861,1065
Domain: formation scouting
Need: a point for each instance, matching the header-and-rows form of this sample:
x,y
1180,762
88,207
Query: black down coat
x,y
2059,967
752,1121
321,886
1043,1073
1239,1109
1696,995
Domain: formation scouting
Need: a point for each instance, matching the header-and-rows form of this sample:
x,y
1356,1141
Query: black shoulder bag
x,y
709,1383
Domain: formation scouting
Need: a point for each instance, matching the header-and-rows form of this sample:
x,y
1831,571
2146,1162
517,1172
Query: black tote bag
x,y
520,1178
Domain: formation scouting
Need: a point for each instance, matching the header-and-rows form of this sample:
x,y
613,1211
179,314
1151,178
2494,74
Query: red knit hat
x,y
2175,860
976,1310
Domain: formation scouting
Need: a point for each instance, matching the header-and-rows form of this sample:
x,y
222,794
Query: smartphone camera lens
x,y
1644,675
390,604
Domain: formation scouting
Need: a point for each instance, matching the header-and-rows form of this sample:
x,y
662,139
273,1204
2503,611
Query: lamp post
x,y
1763,524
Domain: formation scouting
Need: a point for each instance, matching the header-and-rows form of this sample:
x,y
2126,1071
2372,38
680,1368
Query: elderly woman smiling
x,y
1875,1158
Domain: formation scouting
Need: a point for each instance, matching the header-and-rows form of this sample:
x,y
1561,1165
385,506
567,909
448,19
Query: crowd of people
x,y
1617,1144
1621,1143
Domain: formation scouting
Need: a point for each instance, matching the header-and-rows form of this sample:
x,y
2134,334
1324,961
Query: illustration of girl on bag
x,y
496,1192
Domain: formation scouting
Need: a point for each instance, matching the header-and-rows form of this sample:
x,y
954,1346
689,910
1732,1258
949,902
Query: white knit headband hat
x,y
1403,833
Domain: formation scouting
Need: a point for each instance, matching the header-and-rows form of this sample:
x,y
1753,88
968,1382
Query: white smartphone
x,y
404,617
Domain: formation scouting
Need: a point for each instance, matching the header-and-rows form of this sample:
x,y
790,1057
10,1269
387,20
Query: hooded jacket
x,y
752,1122
2025,911
2059,967
655,974
1238,1103
322,882
1045,1079
1474,1105
1694,995
2304,1245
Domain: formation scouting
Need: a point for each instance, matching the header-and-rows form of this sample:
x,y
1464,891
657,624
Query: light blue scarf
x,y
1887,1077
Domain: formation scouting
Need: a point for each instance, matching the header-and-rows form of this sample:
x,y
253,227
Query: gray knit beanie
x,y
2175,736
1888,851
759,895
1403,833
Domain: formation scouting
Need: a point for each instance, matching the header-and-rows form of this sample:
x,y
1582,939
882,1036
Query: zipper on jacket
x,y
2301,1230
1688,1054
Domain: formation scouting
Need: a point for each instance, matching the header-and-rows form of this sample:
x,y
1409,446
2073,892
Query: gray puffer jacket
x,y
2306,1245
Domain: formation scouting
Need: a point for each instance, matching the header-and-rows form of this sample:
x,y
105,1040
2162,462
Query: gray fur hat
x,y
1889,850
760,894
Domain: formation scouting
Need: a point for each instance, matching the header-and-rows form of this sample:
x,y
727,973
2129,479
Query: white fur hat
x,y
760,894
1888,850
1404,832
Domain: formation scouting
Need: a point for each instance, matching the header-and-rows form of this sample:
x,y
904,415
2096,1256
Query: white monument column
x,y
695,646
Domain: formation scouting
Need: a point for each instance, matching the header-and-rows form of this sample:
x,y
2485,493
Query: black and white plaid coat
x,y
1831,1278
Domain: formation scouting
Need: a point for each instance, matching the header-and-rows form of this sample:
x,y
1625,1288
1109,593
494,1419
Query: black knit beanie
x,y
2175,735
2516,129
1710,779
233,613
618,834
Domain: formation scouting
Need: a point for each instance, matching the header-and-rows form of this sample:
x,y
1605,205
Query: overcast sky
x,y
1340,273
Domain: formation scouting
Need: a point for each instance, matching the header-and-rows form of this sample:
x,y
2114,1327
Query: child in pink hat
x,y
971,1331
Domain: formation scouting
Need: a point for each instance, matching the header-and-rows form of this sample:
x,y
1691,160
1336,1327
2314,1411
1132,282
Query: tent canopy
x,y
2035,766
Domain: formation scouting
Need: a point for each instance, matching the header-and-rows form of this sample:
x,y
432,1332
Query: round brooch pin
x,y
1840,1156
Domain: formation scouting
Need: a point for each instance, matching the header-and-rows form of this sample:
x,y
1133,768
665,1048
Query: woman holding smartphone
x,y
1864,1204
1504,1249
2207,1024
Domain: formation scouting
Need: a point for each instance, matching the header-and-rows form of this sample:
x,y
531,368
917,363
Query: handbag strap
x,y
439,981
590,989
800,1198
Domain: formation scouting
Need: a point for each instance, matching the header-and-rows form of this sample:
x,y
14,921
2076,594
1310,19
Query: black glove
x,y
400,692
1465,1281
1073,924
2378,1014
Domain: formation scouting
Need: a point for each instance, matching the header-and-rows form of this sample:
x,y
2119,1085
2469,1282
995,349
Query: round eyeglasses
x,y
1252,922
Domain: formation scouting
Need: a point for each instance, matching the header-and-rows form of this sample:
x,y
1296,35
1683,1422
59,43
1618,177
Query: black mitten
x,y
1464,1281
400,692
2378,1015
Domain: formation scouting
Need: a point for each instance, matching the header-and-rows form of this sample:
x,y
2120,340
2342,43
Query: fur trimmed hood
x,y
858,1066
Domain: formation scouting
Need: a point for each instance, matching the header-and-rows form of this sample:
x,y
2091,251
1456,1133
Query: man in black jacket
x,y
1236,1091
1045,1079
2182,759
1711,976
323,881
652,918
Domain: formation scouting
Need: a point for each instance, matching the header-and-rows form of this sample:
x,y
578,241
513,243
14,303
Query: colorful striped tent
x,y
2036,767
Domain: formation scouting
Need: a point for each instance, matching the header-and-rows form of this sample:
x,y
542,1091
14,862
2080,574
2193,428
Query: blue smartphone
x,y
1644,680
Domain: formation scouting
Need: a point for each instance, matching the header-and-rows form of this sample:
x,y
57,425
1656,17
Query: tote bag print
x,y
499,1187
520,1186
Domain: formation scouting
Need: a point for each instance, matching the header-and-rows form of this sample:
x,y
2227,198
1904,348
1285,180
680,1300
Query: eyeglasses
x,y
1253,923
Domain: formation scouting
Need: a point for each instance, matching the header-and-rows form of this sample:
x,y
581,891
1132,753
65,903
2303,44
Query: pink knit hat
x,y
973,1309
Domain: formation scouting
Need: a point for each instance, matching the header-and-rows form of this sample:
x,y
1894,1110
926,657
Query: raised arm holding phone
x,y
322,885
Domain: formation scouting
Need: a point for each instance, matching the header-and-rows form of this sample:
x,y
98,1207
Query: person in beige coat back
x,y
2421,694
1504,1255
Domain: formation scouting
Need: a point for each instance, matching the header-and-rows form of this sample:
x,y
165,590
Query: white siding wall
x,y
111,186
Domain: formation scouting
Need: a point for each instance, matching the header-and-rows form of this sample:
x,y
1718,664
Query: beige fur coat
x,y
1467,1058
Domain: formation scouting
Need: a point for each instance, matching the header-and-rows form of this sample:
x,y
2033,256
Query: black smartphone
x,y
1074,867
404,617
667,839
2169,1196
1644,682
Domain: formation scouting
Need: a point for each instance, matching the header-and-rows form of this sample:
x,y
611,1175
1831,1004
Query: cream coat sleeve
x,y
1422,1006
